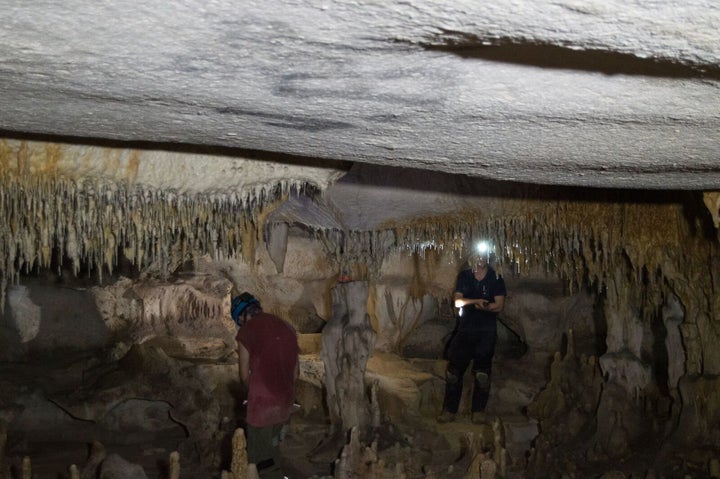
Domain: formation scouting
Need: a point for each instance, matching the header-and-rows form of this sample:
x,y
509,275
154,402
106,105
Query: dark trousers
x,y
262,450
465,347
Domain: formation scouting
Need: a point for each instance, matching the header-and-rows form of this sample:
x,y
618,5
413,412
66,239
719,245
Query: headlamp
x,y
482,248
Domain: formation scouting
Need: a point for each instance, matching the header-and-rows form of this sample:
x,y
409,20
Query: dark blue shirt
x,y
471,318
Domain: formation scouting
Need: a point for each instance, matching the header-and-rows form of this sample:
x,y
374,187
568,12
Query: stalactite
x,y
92,218
277,237
712,202
654,247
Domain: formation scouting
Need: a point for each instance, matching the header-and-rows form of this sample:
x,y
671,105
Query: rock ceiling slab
x,y
600,93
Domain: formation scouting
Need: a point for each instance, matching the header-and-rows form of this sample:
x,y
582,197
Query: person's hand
x,y
482,304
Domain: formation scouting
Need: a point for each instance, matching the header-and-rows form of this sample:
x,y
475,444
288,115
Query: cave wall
x,y
631,279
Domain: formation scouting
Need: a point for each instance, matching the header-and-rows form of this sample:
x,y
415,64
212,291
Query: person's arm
x,y
244,364
495,307
461,301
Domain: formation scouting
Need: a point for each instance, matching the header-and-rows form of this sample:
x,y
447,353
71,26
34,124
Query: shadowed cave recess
x,y
118,353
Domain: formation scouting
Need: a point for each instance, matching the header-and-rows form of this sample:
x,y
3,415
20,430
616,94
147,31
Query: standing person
x,y
480,296
268,361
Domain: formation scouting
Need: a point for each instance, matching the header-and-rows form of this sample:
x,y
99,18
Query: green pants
x,y
262,450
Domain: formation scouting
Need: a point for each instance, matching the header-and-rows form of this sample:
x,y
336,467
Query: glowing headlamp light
x,y
482,248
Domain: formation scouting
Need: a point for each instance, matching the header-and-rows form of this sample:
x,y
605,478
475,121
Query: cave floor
x,y
435,446
51,460
439,445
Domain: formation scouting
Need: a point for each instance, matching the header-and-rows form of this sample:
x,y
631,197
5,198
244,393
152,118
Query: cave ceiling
x,y
611,94
431,121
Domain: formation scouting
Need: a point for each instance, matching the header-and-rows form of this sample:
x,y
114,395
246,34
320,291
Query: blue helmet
x,y
240,304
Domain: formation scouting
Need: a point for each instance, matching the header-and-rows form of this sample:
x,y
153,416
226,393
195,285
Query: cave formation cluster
x,y
164,259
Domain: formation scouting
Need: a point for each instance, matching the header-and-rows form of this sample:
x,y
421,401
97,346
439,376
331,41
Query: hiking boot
x,y
479,417
446,416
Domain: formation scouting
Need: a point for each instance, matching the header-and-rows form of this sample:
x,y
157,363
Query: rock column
x,y
348,341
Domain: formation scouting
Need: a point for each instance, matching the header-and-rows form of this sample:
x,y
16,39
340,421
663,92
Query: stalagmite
x,y
475,455
488,469
377,469
551,399
350,463
354,457
3,441
26,468
239,464
174,465
370,454
342,466
74,472
499,451
375,405
714,468
96,457
570,352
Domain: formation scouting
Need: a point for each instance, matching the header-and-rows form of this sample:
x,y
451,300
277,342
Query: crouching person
x,y
268,363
